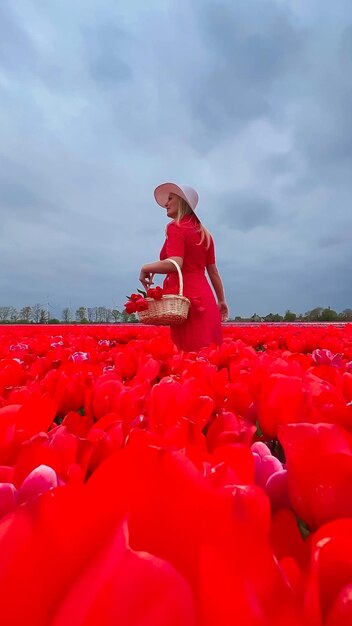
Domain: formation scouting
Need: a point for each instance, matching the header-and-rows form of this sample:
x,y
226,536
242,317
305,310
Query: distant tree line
x,y
37,314
319,314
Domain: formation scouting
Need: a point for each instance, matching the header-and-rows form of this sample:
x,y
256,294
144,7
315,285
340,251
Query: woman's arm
x,y
157,267
216,281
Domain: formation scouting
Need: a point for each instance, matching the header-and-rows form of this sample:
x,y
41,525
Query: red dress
x,y
203,324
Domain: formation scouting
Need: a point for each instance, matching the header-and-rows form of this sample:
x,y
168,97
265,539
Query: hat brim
x,y
162,192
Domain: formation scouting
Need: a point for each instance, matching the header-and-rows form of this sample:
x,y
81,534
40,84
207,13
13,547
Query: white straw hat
x,y
161,194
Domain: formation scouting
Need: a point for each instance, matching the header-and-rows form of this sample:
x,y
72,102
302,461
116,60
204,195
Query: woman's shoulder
x,y
188,223
174,230
181,226
172,227
186,226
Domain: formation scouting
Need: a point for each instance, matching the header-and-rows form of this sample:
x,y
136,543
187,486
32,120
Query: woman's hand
x,y
157,267
146,278
224,310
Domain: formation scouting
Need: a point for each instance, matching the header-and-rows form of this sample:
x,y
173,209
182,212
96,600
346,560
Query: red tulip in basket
x,y
158,308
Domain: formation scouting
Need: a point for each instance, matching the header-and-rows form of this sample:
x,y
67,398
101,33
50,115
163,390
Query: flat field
x,y
144,486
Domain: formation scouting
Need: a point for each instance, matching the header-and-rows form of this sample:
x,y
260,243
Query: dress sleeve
x,y
175,242
211,253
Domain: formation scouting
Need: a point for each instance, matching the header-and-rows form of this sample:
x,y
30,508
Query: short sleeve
x,y
211,253
175,242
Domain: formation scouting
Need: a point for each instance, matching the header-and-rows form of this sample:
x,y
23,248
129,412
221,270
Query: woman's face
x,y
172,206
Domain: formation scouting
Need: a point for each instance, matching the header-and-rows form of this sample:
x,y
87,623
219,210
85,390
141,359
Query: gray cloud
x,y
105,45
246,212
249,48
248,101
16,50
15,195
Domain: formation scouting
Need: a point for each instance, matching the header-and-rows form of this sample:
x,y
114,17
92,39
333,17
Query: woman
x,y
190,244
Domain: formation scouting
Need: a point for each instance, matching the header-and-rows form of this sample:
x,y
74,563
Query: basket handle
x,y
180,278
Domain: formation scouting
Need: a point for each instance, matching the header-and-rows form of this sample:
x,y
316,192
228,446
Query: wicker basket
x,y
170,310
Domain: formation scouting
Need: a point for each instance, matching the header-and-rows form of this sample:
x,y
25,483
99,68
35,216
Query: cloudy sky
x,y
249,101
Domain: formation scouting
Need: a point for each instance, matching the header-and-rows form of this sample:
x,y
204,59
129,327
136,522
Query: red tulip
x,y
141,304
130,307
327,594
281,402
319,465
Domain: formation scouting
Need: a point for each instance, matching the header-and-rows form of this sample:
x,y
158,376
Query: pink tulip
x,y
79,357
8,498
325,357
41,479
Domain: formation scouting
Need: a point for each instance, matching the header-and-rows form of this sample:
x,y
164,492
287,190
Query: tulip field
x,y
142,486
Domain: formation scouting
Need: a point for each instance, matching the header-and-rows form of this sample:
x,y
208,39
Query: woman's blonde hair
x,y
183,210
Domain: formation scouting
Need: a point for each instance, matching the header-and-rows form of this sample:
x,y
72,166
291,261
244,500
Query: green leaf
x,y
278,451
144,294
259,431
303,528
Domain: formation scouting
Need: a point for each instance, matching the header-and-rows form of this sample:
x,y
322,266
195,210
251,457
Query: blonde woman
x,y
191,245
